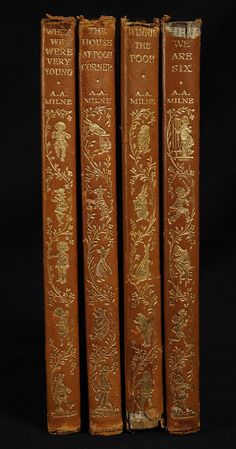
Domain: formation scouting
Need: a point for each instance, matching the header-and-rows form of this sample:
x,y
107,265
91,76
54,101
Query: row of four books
x,y
143,355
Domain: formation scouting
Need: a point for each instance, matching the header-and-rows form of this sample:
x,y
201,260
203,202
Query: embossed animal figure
x,y
178,208
60,393
140,204
100,203
182,262
103,269
143,269
145,326
104,138
61,137
144,139
101,324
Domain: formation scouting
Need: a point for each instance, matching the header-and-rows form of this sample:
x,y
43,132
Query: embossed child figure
x,y
145,326
62,324
182,262
61,204
146,392
187,141
180,321
179,205
101,324
181,397
104,390
62,261
60,394
61,137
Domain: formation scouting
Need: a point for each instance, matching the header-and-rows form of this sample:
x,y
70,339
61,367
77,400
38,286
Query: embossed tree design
x,y
99,242
142,243
97,121
61,358
65,228
180,288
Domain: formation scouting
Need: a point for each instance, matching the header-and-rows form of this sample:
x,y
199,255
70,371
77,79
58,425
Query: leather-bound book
x,y
180,71
59,224
141,234
98,167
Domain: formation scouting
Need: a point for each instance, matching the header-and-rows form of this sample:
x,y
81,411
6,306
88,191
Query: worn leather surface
x,y
181,65
141,233
98,167
59,223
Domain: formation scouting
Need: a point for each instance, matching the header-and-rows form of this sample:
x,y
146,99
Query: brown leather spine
x,y
98,166
141,234
59,224
181,65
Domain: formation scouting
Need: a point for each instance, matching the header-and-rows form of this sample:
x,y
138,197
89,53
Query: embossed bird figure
x,y
143,269
105,143
144,139
103,269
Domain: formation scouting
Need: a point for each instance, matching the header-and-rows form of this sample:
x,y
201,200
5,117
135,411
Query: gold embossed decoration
x,y
144,347
103,356
58,240
181,240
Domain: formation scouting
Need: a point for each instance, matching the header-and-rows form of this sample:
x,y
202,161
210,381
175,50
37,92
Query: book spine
x,y
141,233
59,224
181,65
98,166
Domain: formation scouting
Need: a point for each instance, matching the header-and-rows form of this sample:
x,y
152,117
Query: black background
x,y
22,368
